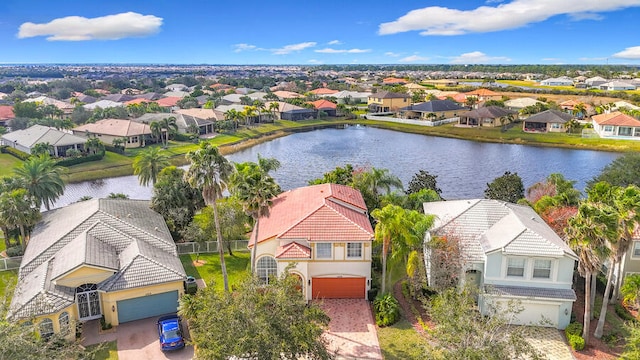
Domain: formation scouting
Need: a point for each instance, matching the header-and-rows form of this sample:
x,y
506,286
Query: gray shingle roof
x,y
125,236
491,112
43,134
529,292
389,95
434,106
550,116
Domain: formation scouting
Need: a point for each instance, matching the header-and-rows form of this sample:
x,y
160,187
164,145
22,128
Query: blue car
x,y
170,333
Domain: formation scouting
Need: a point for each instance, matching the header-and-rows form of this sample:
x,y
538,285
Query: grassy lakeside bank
x,y
114,165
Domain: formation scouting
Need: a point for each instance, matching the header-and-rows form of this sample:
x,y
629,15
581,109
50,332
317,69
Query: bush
x,y
80,160
623,313
114,149
15,152
576,342
15,251
406,289
387,310
575,328
104,325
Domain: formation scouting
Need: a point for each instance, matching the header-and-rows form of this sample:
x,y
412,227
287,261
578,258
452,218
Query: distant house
x,y
595,82
288,111
60,142
184,121
233,98
490,116
168,102
616,125
135,134
326,106
508,253
103,104
325,231
323,92
386,101
483,95
393,81
617,86
561,81
351,97
282,94
101,258
119,97
547,121
623,104
177,87
6,115
520,103
432,110
64,106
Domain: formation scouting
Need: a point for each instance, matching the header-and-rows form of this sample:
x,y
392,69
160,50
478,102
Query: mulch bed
x,y
412,310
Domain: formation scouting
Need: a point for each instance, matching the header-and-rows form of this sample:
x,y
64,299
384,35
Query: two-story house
x,y
510,253
385,101
323,229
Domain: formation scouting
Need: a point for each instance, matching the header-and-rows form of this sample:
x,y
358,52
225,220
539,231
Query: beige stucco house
x,y
102,257
133,133
385,101
323,229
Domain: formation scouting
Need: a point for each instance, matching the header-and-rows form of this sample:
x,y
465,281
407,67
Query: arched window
x,y
46,328
267,269
63,321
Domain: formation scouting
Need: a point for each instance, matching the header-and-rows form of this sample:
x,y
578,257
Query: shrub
x,y
387,310
575,328
80,160
406,289
104,324
17,153
15,251
623,313
576,342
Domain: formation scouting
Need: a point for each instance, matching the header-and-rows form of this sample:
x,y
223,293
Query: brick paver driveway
x,y
352,332
137,340
549,342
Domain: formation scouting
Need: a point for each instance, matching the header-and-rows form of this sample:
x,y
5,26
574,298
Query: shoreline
x,y
488,136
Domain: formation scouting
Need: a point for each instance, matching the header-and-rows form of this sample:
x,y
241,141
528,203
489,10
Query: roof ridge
x,y
349,220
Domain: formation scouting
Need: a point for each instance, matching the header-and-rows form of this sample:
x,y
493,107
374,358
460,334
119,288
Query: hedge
x,y
576,342
575,328
80,160
623,313
117,150
15,152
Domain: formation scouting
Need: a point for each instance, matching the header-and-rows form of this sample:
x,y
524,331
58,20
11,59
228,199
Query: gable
x,y
326,224
85,274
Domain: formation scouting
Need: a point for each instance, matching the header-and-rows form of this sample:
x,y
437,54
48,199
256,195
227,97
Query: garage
x,y
147,306
338,288
536,314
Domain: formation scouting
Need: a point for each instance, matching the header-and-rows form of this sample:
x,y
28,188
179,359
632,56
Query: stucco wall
x,y
55,318
84,275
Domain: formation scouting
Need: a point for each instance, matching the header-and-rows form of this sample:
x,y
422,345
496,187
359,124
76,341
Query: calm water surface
x,y
463,167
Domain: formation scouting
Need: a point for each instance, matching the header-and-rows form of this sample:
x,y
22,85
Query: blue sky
x,y
320,32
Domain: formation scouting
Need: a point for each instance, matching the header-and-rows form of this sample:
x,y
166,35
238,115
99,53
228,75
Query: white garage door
x,y
538,314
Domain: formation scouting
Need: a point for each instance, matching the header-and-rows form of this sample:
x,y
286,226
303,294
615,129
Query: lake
x,y
463,167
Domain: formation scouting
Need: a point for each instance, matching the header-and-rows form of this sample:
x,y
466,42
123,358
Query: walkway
x,y
549,342
352,332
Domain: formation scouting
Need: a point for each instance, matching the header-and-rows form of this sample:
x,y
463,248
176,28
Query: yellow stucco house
x,y
102,257
386,101
325,231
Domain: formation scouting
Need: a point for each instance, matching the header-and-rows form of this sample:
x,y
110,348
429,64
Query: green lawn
x,y
400,341
105,351
8,280
7,163
237,268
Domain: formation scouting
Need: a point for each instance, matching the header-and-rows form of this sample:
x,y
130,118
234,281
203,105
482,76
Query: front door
x,y
88,301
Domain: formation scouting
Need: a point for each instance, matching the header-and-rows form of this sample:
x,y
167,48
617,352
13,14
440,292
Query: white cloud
x,y
552,59
244,47
414,58
392,54
334,42
314,61
342,51
592,59
437,20
78,28
478,57
631,53
293,47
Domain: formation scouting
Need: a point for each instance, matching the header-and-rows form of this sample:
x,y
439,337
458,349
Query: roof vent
x,y
128,215
156,228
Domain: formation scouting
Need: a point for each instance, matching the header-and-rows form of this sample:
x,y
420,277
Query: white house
x,y
59,141
323,229
617,86
510,253
616,125
561,81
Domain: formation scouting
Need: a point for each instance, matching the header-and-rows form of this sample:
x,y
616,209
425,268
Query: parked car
x,y
170,332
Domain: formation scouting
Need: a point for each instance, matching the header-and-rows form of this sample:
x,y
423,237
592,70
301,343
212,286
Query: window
x,y
323,251
515,267
267,269
636,248
626,131
354,250
542,269
63,321
46,328
608,128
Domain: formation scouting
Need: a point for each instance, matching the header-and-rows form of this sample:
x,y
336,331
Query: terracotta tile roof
x,y
482,92
137,101
286,94
6,112
619,119
318,213
114,127
168,101
323,104
323,91
293,251
220,86
393,80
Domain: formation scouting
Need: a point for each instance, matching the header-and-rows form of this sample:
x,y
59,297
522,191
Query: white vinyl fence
x,y
410,121
210,246
10,263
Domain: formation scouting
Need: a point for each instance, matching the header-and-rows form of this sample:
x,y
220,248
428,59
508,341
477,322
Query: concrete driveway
x,y
137,340
352,332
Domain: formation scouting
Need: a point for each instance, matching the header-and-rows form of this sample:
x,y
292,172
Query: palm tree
x,y
19,208
254,188
170,125
273,108
42,148
580,110
156,131
233,115
586,234
210,172
43,179
94,145
148,164
248,113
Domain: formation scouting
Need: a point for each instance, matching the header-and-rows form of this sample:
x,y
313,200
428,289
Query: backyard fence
x,y
10,263
210,246
410,121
